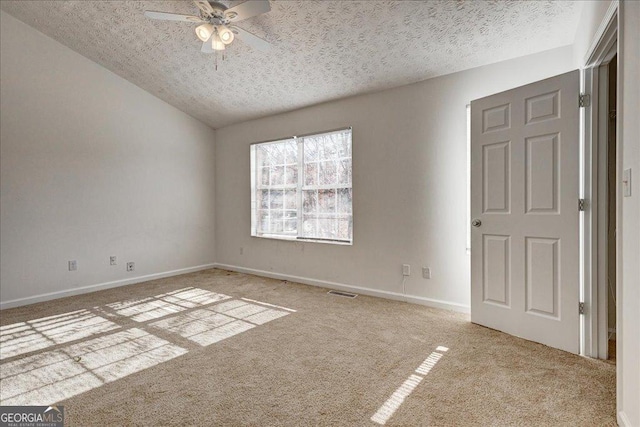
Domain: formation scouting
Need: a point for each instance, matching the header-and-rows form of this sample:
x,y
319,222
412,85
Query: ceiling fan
x,y
217,29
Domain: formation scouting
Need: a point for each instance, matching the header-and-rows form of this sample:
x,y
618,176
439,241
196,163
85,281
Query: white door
x,y
524,207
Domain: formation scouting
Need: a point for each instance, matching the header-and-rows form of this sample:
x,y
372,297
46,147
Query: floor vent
x,y
342,294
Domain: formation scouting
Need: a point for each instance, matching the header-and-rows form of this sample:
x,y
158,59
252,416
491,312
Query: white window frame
x,y
301,187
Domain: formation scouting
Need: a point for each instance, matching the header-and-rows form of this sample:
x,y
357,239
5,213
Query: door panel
x,y
496,166
496,278
541,174
542,281
524,194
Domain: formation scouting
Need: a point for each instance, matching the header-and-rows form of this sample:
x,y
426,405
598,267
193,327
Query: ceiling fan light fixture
x,y
204,32
216,42
226,35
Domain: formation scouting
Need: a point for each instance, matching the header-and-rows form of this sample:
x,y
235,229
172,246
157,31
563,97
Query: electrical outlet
x,y
406,270
131,266
73,265
426,272
241,250
113,260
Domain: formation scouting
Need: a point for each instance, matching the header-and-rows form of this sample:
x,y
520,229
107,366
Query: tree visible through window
x,y
301,188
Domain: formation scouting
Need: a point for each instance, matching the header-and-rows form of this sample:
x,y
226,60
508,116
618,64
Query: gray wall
x,y
93,166
409,179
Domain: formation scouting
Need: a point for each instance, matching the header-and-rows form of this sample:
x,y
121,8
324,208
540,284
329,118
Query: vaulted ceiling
x,y
323,50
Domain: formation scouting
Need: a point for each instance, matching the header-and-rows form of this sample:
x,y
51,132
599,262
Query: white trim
x,y
446,305
623,420
98,287
604,32
588,293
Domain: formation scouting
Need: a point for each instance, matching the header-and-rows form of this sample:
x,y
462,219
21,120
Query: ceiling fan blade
x,y
252,40
207,47
205,7
164,16
247,10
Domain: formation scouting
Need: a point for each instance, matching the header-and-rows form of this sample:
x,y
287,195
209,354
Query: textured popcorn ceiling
x,y
323,50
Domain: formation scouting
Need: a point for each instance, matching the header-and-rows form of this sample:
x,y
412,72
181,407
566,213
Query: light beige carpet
x,y
171,352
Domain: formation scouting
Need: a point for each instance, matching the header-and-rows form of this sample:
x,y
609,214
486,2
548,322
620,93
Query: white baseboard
x,y
92,288
623,420
350,288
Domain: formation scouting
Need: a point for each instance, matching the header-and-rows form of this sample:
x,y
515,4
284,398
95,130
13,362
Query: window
x,y
301,188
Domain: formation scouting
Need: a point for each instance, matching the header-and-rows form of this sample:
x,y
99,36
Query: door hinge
x,y
581,308
584,100
581,204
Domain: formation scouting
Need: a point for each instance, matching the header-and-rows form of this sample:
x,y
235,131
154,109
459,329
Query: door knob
x,y
476,223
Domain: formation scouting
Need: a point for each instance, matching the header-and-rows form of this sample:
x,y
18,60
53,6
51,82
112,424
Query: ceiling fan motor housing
x,y
218,16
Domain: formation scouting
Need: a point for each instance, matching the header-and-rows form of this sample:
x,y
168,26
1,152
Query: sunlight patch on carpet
x,y
218,322
91,351
56,375
392,404
150,308
38,334
269,305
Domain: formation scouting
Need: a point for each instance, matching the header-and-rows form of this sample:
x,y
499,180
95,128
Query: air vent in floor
x,y
342,294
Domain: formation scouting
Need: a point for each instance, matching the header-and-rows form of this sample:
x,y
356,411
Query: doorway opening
x,y
607,221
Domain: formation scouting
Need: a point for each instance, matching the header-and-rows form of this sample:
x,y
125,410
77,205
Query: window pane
x,y
276,199
264,159
311,174
310,150
276,225
263,199
328,173
326,228
291,199
291,153
290,225
344,172
310,201
326,201
277,175
309,226
344,200
328,146
344,146
263,226
291,174
277,154
264,176
344,229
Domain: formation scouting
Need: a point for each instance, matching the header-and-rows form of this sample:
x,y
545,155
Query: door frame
x,y
594,330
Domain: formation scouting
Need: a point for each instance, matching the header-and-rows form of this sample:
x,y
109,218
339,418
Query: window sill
x,y
301,240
